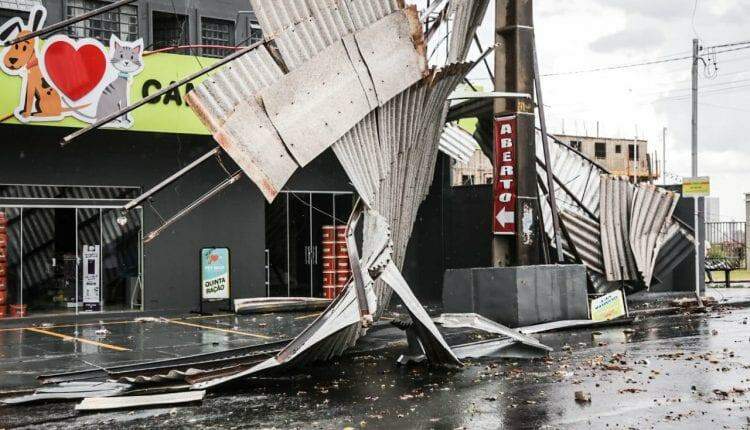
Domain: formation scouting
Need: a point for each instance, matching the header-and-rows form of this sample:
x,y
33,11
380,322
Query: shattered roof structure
x,y
350,75
620,231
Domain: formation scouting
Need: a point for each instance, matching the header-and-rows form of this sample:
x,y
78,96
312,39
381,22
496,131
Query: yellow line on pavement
x,y
242,333
77,339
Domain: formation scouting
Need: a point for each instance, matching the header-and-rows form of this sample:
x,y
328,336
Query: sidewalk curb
x,y
672,310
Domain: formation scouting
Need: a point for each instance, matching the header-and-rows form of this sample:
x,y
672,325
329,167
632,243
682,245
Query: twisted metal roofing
x,y
457,143
354,77
638,238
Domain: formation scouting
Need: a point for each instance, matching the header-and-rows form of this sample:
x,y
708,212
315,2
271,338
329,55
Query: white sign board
x,y
608,307
91,257
215,271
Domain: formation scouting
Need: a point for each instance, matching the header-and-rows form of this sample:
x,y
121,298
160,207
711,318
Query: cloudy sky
x,y
575,35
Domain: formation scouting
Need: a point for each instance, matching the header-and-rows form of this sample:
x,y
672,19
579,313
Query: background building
x,y
161,23
625,157
713,209
478,170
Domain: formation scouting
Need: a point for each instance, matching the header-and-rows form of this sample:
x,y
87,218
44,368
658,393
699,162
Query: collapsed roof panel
x,y
585,236
467,16
227,104
300,107
619,231
652,211
458,143
387,144
616,199
335,79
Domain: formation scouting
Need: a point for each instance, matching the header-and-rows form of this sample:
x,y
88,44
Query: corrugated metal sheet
x,y
457,143
260,114
227,104
679,244
639,236
616,201
652,210
466,16
586,237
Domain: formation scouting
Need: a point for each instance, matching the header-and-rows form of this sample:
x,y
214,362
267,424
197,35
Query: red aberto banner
x,y
504,181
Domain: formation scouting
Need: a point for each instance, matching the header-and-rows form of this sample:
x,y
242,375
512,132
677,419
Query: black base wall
x,y
453,231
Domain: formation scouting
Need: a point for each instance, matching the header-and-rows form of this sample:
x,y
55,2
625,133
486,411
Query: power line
x,y
620,67
738,46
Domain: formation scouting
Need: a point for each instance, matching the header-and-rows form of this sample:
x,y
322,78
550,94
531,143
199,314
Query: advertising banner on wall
x,y
215,280
504,181
91,257
66,82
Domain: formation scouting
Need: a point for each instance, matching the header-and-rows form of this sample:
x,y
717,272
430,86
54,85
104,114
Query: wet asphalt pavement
x,y
677,372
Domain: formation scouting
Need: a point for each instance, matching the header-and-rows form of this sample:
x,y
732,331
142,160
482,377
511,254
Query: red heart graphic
x,y
214,258
75,71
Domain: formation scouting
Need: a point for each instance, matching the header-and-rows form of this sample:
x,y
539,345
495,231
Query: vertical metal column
x,y
288,264
548,161
514,72
21,261
78,261
101,261
700,248
664,156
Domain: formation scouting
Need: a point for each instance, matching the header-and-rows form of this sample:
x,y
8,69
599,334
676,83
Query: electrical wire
x,y
316,209
619,67
738,46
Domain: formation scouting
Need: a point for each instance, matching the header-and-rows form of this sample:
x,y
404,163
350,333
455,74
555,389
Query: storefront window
x,y
301,230
68,259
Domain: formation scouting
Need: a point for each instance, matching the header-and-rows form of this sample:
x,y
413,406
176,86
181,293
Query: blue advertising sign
x,y
215,274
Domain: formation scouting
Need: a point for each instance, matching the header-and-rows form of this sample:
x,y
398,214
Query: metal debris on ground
x,y
479,322
130,402
279,304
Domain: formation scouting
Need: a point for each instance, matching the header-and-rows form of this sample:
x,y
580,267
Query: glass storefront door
x,y
69,260
295,222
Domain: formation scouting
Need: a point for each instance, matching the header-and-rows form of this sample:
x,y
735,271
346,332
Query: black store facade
x,y
60,202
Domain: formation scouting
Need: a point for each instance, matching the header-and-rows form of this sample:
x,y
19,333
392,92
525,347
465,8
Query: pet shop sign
x,y
74,82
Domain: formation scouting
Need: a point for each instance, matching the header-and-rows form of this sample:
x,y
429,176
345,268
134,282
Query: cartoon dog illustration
x,y
40,99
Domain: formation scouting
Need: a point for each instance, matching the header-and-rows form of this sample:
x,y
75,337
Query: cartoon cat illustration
x,y
127,60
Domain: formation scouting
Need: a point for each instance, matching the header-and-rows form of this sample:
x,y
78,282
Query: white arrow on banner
x,y
504,217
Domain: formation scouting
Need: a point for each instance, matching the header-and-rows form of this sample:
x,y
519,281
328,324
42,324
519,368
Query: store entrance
x,y
299,253
59,256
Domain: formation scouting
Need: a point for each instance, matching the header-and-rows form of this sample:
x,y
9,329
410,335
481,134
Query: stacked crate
x,y
329,261
336,270
343,269
3,266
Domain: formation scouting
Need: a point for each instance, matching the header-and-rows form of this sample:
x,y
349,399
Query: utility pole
x,y
696,58
514,72
664,156
700,248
